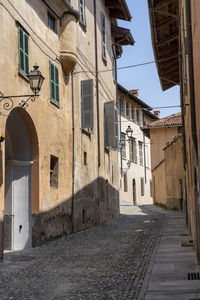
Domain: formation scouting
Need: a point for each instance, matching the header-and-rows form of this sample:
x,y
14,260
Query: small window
x,y
103,36
127,110
123,142
85,158
51,22
82,11
142,186
23,50
125,183
121,106
137,115
151,192
140,153
54,84
132,113
53,171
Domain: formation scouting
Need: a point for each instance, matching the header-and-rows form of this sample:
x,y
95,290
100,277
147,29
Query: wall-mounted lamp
x,y
35,80
129,132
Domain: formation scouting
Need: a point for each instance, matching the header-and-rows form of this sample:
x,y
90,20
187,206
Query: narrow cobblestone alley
x,y
108,261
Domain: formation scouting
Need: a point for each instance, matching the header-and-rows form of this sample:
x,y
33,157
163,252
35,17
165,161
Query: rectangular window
x,y
133,150
54,83
54,171
121,106
23,50
142,186
51,22
123,142
132,113
82,11
140,153
103,35
151,192
125,183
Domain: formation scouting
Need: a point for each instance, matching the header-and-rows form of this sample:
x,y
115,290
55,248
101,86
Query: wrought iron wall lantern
x,y
35,80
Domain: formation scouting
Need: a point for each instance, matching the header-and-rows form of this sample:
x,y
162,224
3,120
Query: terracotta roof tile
x,y
171,120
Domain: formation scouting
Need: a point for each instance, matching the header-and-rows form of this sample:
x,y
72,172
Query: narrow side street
x,y
105,262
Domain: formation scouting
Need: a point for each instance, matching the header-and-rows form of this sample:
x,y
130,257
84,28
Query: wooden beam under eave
x,y
173,70
112,4
168,50
173,81
163,3
117,13
165,22
168,39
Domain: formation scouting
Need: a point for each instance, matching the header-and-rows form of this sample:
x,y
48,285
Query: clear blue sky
x,y
144,77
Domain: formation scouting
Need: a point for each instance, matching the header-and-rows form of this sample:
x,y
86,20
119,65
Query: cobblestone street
x,y
108,261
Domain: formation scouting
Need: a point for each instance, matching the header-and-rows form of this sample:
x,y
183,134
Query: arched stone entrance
x,y
21,180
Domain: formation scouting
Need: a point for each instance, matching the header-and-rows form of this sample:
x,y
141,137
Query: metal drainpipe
x,y
118,105
192,112
191,75
145,171
73,151
97,82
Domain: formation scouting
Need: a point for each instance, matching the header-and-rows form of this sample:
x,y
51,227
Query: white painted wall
x,y
136,170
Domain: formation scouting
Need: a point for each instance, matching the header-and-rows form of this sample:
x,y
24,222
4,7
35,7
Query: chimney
x,y
157,113
135,92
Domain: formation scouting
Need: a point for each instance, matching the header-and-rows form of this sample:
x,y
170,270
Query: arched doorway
x,y
134,192
21,161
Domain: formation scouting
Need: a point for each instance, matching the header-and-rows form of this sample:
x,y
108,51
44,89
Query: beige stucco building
x,y
168,175
57,176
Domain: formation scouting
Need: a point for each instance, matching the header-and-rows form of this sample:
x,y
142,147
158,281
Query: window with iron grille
x,y
54,161
103,36
51,22
82,11
140,153
23,50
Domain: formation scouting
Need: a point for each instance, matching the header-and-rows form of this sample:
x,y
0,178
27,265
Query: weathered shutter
x,y
87,104
23,50
54,83
110,123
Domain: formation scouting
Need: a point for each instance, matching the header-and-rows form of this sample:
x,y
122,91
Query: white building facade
x,y
134,154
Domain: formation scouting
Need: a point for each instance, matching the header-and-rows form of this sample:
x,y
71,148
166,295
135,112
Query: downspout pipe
x,y
97,82
191,74
145,171
193,117
73,153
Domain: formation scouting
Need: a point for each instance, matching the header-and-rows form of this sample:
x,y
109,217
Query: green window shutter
x,y
23,49
87,103
54,83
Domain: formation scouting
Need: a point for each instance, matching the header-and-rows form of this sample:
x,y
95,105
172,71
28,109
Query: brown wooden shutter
x,y
87,103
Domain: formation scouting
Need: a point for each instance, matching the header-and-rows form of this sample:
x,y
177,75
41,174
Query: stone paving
x,y
108,261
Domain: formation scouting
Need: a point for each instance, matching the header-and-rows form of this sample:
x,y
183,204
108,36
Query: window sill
x,y
83,26
57,104
86,132
104,61
107,150
23,75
